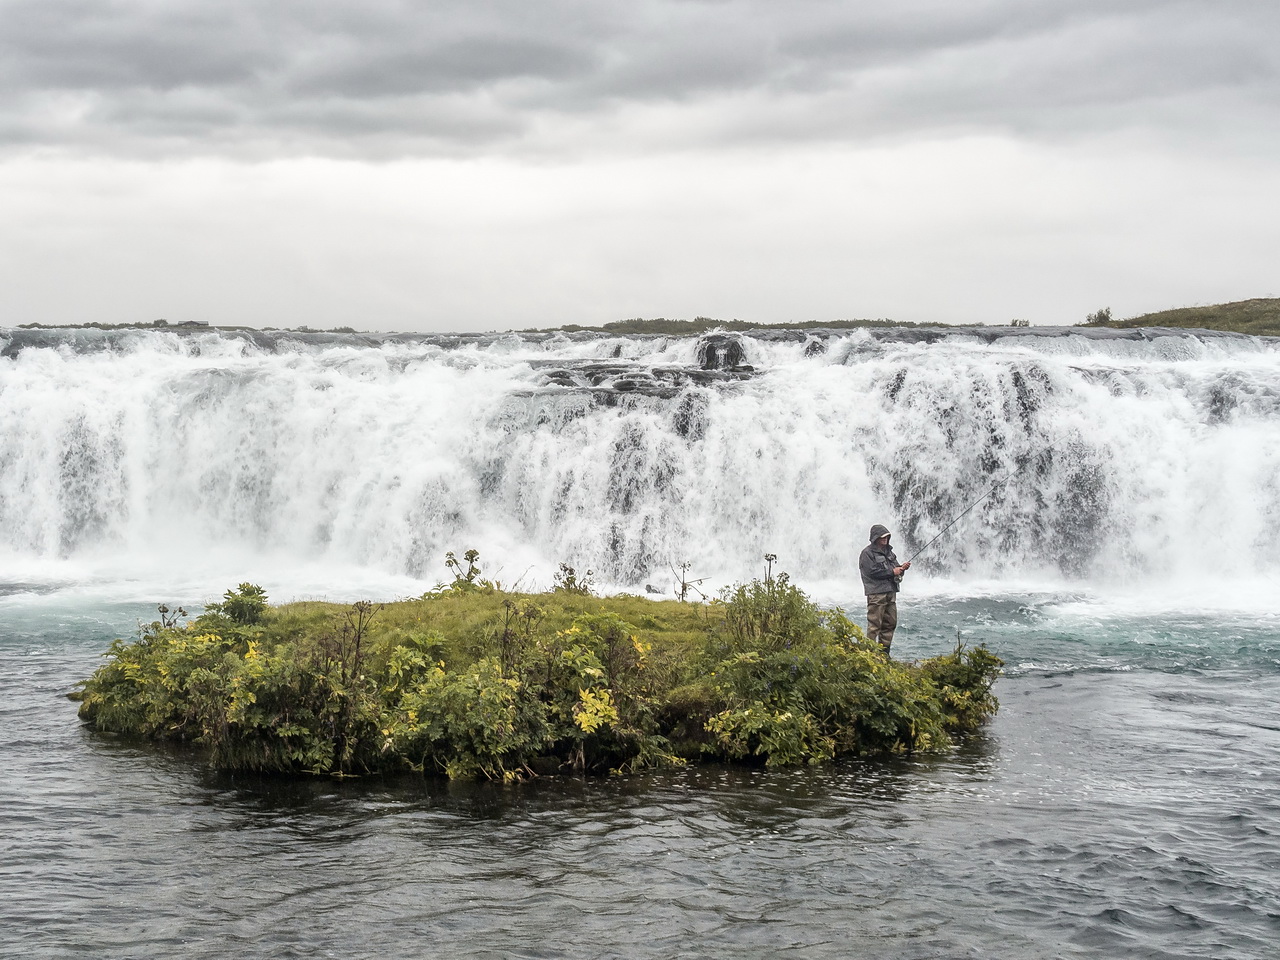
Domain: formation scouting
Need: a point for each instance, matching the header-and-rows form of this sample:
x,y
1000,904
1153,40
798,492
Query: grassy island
x,y
473,681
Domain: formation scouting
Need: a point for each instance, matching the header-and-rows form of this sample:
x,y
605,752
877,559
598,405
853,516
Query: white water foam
x,y
1141,467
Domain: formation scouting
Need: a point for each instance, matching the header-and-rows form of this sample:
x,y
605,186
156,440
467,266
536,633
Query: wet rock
x,y
720,351
606,381
815,347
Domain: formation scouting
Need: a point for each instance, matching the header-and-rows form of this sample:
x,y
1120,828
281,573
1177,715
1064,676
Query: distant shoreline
x,y
1257,317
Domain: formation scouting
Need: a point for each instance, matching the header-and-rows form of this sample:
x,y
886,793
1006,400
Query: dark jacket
x,y
876,565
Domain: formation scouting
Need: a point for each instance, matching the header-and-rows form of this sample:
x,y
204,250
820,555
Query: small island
x,y
476,682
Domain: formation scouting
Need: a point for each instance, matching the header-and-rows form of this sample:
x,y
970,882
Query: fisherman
x,y
881,576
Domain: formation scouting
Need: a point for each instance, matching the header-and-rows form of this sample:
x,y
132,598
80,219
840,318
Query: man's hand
x,y
899,571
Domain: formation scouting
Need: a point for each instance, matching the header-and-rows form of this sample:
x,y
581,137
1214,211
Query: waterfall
x,y
1130,455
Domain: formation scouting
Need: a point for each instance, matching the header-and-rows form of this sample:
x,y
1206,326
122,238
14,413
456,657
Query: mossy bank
x,y
474,682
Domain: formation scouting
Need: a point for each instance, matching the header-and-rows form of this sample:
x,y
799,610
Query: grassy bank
x,y
474,682
1260,318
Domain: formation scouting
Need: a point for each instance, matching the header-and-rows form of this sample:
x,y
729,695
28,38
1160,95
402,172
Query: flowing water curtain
x,y
624,457
1015,427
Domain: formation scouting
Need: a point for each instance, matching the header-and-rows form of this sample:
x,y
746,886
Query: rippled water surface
x,y
1123,804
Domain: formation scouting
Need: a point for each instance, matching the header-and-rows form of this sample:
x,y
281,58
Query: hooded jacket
x,y
876,564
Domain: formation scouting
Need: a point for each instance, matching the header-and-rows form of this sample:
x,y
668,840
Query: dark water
x,y
1123,804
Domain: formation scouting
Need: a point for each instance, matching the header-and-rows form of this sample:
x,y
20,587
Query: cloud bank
x,y
456,165
381,79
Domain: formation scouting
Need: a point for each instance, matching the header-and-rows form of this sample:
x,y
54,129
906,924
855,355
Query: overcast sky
x,y
450,165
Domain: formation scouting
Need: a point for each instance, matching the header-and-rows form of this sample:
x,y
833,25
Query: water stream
x,y
1122,804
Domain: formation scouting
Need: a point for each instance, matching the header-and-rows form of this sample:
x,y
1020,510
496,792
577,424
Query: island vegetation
x,y
473,681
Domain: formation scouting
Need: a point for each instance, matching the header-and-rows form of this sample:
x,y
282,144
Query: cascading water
x,y
1135,456
1122,802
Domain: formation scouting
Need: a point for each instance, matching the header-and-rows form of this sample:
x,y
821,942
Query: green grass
x,y
1259,318
468,623
470,681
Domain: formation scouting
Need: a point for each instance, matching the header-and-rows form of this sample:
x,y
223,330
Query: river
x,y
1122,803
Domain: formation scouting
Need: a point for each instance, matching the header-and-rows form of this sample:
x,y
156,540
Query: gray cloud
x,y
392,77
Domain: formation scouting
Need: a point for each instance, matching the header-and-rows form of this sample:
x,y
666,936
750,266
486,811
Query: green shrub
x,y
567,580
245,606
474,723
964,679
478,683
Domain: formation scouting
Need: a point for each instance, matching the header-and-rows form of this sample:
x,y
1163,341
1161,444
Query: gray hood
x,y
878,531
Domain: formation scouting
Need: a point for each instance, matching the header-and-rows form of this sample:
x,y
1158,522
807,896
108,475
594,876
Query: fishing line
x,y
994,487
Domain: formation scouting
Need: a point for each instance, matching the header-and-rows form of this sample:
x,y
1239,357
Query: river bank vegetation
x,y
663,326
473,681
1259,318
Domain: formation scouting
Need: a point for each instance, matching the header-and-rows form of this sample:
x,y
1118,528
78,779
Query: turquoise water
x,y
1122,804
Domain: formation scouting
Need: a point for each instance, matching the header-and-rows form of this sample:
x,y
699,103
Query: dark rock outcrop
x,y
721,351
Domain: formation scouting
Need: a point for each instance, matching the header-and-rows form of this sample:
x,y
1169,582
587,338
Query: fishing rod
x,y
994,487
